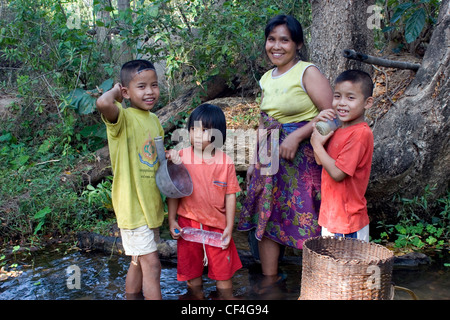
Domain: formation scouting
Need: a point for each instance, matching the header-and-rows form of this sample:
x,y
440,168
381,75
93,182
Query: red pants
x,y
222,264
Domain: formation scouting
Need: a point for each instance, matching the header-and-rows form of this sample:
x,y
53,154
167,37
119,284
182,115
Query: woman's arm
x,y
319,90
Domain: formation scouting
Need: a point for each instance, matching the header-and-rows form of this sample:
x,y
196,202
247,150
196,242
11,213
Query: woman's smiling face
x,y
281,49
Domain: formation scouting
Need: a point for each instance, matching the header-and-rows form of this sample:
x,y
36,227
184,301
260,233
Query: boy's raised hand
x,y
325,115
106,103
173,156
118,91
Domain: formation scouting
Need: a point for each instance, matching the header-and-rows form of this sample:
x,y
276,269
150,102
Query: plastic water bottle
x,y
325,127
201,236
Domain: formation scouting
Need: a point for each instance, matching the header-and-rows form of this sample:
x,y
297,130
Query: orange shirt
x,y
212,179
343,208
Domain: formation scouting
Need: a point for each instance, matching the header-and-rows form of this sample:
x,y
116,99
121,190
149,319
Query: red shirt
x,y
212,179
343,208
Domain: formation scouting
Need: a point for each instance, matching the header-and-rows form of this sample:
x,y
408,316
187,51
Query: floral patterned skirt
x,y
283,197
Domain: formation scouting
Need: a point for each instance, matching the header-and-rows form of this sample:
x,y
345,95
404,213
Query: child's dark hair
x,y
357,76
130,68
294,27
212,117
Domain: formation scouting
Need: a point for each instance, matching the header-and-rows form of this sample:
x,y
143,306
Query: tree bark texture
x,y
338,25
412,140
126,52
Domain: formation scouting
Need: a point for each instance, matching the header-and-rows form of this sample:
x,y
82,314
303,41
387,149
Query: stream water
x,y
48,275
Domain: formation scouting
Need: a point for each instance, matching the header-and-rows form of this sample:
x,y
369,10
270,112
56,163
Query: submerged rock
x,y
411,260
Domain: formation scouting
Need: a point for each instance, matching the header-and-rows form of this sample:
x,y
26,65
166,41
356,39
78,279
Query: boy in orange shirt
x,y
346,158
211,206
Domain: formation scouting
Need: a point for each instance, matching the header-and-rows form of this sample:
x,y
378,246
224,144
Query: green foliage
x,y
40,216
100,196
35,198
420,226
41,39
83,101
59,47
199,39
412,16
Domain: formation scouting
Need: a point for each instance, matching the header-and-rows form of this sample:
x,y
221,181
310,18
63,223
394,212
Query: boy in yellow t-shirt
x,y
136,199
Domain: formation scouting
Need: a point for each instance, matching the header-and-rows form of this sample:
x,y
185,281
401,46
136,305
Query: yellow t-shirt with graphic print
x,y
285,98
135,196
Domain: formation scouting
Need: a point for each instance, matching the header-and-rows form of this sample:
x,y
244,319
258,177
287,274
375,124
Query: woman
x,y
283,197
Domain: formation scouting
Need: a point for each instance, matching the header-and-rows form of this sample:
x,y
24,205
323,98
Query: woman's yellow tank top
x,y
285,98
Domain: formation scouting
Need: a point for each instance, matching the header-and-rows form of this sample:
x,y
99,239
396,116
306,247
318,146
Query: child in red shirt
x,y
346,158
211,206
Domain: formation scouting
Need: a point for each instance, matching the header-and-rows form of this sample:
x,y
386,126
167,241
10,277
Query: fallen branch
x,y
49,161
352,54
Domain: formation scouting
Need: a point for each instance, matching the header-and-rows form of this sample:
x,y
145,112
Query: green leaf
x,y
39,226
83,101
6,137
107,85
97,130
401,229
431,240
20,161
45,146
42,213
400,11
153,11
414,25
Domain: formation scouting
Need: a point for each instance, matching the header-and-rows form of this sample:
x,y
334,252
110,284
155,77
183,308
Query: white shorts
x,y
139,241
362,234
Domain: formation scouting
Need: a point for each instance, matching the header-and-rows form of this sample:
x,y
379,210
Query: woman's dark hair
x,y
294,27
212,117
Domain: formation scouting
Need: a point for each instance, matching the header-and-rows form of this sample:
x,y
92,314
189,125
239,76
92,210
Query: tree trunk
x,y
126,52
338,25
412,139
102,32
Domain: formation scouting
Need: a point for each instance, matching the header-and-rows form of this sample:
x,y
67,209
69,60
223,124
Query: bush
x,y
421,225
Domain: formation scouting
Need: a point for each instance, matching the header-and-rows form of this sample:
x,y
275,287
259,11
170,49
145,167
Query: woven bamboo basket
x,y
346,269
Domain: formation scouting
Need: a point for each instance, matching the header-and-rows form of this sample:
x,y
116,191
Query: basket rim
x,y
349,261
